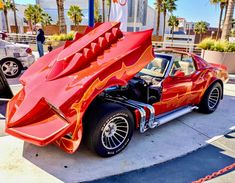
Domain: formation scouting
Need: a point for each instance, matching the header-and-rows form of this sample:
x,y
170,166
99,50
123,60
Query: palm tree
x,y
96,11
28,12
75,14
158,8
200,28
109,5
7,5
167,6
14,10
228,20
223,4
61,21
46,19
173,22
35,14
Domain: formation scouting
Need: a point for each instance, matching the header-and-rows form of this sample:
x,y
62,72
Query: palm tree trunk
x,y
103,10
6,19
109,11
30,25
220,20
60,6
226,10
15,18
200,38
158,17
164,24
75,20
228,20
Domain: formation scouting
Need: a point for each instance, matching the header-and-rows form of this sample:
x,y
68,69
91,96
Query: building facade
x,y
140,15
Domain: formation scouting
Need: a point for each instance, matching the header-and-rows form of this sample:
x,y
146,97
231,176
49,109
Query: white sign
x,y
119,13
232,39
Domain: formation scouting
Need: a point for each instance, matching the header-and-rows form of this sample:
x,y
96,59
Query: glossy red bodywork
x,y
58,88
189,90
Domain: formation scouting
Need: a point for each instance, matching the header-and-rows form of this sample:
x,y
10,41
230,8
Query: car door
x,y
177,86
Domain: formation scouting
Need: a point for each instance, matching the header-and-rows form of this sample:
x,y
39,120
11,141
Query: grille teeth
x,y
91,50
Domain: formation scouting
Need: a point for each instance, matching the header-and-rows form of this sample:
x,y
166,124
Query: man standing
x,y
40,39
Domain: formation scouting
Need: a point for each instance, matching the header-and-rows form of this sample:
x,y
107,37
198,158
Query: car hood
x,y
58,88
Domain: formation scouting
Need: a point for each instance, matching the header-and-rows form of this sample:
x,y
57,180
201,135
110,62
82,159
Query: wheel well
x,y
13,59
101,101
222,85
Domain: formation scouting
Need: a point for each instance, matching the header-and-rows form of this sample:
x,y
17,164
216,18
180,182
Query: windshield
x,y
158,67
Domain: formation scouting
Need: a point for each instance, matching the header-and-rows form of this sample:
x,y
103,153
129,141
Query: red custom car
x,y
103,85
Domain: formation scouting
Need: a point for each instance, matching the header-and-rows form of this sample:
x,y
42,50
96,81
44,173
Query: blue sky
x,y
192,10
196,10
24,1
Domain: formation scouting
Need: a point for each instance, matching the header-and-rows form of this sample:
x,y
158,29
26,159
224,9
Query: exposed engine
x,y
141,88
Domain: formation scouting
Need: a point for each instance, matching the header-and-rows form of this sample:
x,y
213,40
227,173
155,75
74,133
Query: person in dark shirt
x,y
40,39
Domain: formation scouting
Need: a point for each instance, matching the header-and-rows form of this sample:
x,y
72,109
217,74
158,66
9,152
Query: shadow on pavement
x,y
188,168
184,169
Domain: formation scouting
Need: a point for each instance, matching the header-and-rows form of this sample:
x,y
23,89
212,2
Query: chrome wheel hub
x,y
214,98
10,68
115,133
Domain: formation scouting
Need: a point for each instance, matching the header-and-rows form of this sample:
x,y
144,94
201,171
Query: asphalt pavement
x,y
189,168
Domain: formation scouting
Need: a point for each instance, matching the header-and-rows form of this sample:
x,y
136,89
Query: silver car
x,y
14,58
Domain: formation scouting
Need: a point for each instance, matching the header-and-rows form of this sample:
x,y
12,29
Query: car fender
x,y
59,87
211,82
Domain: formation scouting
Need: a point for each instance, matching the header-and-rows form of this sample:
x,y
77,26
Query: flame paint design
x,y
71,145
69,78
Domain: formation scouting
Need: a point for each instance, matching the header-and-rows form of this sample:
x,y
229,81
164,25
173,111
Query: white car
x,y
14,58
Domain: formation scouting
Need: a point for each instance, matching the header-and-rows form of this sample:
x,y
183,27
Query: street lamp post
x,y
91,13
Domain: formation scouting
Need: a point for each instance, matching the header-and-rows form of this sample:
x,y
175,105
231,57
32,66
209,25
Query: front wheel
x,y
109,128
11,67
211,99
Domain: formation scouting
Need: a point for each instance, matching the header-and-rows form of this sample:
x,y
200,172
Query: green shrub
x,y
231,47
70,35
62,37
206,44
221,46
233,32
213,45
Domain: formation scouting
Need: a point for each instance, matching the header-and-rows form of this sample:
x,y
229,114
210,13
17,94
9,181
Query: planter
x,y
80,28
221,58
57,44
52,29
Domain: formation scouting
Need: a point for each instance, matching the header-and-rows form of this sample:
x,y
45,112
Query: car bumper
x,y
27,61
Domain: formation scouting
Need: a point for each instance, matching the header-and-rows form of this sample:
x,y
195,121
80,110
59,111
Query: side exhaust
x,y
173,115
153,121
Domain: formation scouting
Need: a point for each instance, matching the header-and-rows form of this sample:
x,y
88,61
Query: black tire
x,y
211,99
14,71
99,121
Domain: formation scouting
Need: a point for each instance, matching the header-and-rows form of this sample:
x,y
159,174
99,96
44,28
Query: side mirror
x,y
179,74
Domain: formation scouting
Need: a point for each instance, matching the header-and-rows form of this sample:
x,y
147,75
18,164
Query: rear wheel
x,y
108,129
211,99
11,67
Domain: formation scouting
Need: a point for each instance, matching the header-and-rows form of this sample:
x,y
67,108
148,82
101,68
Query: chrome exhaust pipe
x,y
173,115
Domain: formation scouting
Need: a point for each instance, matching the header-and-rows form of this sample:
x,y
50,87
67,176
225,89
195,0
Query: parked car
x,y
104,85
14,58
